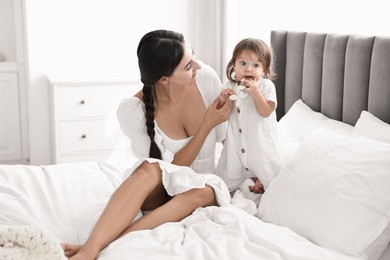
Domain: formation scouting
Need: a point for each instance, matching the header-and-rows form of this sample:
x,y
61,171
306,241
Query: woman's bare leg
x,y
121,210
179,207
176,209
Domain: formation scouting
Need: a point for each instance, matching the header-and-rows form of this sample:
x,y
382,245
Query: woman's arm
x,y
213,117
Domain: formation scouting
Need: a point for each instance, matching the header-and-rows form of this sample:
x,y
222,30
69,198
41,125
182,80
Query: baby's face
x,y
248,66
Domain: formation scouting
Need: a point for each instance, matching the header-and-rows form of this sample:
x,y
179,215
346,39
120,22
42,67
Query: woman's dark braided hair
x,y
159,52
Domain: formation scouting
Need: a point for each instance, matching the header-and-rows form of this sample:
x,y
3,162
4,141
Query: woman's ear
x,y
163,80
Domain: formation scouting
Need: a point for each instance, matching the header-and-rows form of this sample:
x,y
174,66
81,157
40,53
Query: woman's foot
x,y
80,252
70,250
83,256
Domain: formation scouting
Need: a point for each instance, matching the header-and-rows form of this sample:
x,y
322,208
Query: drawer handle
x,y
82,102
83,136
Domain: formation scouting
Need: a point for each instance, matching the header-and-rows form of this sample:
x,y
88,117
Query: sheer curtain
x,y
216,26
206,21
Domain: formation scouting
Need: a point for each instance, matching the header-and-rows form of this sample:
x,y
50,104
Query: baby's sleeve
x,y
269,91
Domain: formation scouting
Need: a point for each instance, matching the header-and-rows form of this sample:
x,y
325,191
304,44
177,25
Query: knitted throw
x,y
28,243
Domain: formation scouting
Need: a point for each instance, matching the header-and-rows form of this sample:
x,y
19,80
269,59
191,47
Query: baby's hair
x,y
261,49
159,52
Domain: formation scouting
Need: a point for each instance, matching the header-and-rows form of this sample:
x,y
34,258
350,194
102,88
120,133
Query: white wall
x,y
86,37
256,18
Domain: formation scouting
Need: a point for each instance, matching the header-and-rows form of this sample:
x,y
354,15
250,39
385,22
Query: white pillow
x,y
289,144
301,120
370,126
335,191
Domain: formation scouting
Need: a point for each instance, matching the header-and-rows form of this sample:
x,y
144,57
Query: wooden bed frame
x,y
337,75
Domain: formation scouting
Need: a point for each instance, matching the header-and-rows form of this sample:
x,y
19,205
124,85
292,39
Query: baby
x,y
250,158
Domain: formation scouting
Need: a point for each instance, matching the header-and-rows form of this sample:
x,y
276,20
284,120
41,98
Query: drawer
x,y
90,135
121,154
90,101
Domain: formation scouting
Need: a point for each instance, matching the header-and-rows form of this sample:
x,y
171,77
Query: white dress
x,y
251,147
177,179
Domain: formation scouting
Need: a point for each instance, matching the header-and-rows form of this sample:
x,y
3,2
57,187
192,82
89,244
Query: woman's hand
x,y
224,96
258,187
213,117
217,113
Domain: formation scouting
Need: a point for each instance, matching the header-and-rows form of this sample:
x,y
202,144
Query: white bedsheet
x,y
66,200
217,233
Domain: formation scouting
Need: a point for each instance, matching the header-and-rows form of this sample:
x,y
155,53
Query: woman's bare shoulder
x,y
139,95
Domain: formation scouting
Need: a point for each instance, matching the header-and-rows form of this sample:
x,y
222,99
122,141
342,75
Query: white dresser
x,y
85,126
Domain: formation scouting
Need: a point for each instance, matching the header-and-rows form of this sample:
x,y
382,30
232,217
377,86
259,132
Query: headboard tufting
x,y
337,75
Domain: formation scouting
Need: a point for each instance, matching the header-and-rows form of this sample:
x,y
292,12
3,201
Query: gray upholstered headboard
x,y
337,75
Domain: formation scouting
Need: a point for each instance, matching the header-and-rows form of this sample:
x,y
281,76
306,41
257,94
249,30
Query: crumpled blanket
x,y
25,242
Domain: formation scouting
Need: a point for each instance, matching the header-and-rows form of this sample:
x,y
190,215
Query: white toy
x,y
240,94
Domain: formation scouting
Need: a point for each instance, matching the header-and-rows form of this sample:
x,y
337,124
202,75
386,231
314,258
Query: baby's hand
x,y
224,96
249,83
258,187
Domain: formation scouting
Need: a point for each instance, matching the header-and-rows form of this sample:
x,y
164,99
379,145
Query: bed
x,y
331,200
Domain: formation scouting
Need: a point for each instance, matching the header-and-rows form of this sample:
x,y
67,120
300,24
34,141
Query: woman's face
x,y
248,65
185,72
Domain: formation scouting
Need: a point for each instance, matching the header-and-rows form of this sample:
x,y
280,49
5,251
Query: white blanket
x,y
217,233
66,199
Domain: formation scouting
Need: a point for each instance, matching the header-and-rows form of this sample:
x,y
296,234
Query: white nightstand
x,y
85,126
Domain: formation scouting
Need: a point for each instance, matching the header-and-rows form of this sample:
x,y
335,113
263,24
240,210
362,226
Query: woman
x,y
169,128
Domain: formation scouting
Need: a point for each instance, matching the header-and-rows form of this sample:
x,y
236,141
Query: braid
x,y
159,52
154,151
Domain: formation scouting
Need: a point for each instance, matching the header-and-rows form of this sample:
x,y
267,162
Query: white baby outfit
x,y
251,147
177,179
